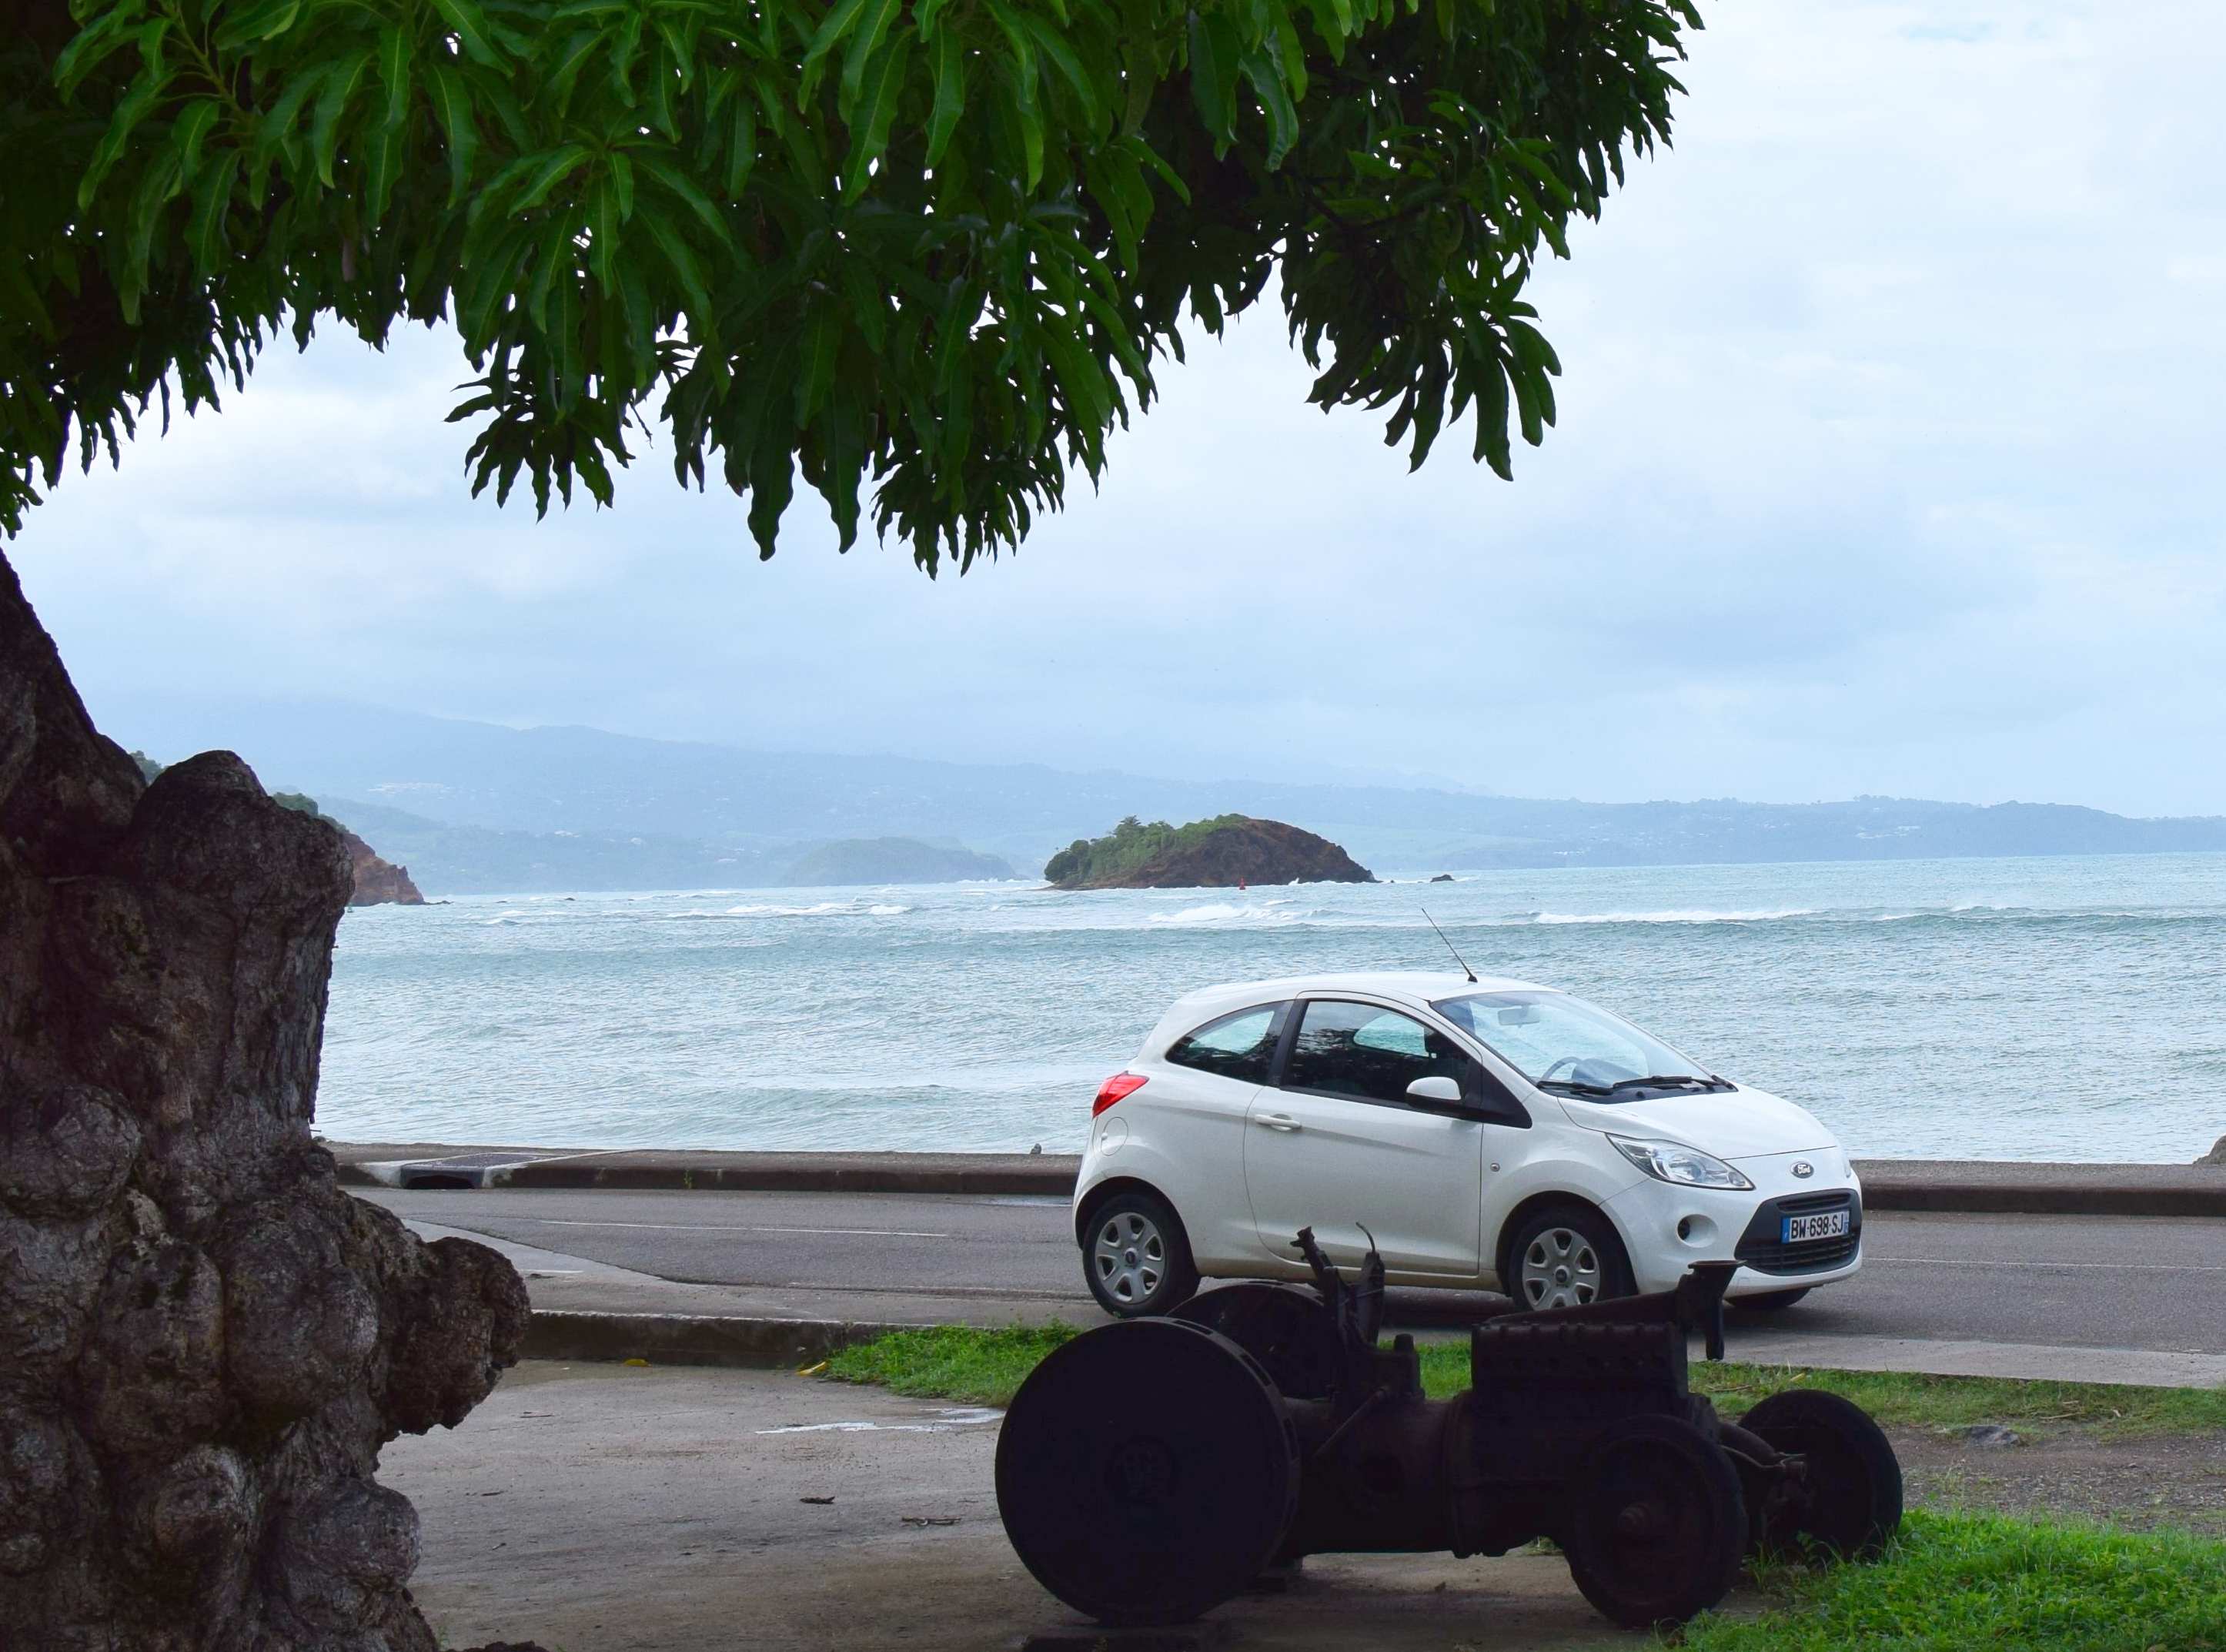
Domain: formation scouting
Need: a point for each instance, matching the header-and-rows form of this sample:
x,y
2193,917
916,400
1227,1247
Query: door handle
x,y
1278,1121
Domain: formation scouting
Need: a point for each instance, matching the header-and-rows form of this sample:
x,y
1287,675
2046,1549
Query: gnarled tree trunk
x,y
203,1341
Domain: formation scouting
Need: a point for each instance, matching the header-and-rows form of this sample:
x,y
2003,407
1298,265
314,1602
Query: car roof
x,y
1419,988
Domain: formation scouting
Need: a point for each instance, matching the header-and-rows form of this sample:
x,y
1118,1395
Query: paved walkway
x,y
605,1508
2095,1299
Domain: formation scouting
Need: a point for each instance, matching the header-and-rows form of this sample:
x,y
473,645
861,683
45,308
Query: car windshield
x,y
1559,1042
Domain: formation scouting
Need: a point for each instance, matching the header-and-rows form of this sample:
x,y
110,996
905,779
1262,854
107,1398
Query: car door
x,y
1334,1145
1189,1121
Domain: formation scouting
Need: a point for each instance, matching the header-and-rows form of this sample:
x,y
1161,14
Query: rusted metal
x,y
1128,1456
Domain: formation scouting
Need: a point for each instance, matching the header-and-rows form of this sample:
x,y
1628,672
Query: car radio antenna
x,y
1450,947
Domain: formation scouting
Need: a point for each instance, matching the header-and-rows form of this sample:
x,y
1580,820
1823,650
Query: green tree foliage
x,y
929,252
1127,847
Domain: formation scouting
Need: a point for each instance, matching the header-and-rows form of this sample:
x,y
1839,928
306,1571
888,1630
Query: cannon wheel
x,y
1284,1327
1656,1526
1145,1471
1849,1496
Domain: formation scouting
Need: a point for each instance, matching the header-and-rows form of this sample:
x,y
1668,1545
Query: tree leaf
x,y
557,166
686,266
382,169
950,93
841,19
1213,54
468,23
1061,57
256,23
394,69
677,184
135,107
1266,76
451,106
742,149
324,124
822,338
204,227
192,130
876,110
865,41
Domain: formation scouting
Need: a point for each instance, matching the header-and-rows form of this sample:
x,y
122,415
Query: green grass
x,y
963,1363
1956,1582
983,1366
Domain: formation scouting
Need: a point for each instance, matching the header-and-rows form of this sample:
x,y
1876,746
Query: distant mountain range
x,y
476,807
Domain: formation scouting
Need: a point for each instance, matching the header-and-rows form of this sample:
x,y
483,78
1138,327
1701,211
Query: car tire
x,y
1136,1257
1565,1256
1769,1301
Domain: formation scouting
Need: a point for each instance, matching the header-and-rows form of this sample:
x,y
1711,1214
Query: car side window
x,y
1371,1054
1240,1046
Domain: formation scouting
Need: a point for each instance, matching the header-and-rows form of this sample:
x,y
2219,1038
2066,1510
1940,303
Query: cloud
x,y
1885,465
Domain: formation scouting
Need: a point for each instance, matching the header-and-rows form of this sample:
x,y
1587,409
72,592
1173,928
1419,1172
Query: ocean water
x,y
2071,1008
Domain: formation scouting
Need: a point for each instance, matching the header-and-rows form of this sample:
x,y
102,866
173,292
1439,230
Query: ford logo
x,y
1803,1169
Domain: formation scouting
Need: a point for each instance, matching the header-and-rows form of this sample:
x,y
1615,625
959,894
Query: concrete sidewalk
x,y
1939,1185
604,1509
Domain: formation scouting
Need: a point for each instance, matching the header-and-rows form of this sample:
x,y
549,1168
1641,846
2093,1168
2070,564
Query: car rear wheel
x,y
1564,1257
1769,1301
1136,1257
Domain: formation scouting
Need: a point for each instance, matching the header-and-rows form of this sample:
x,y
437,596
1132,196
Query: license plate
x,y
1828,1225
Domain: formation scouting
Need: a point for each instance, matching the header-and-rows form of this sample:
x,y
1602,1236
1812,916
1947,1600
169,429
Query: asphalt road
x,y
2079,1282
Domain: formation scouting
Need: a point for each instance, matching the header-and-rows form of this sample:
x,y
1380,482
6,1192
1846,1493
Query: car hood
x,y
1731,1124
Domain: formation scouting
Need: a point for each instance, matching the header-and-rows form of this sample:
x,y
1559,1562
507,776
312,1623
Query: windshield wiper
x,y
1662,1081
1576,1086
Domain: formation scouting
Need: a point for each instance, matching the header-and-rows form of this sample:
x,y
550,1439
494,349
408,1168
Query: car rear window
x,y
1240,1046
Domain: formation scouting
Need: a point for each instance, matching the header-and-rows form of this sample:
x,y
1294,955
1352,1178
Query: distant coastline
x,y
474,808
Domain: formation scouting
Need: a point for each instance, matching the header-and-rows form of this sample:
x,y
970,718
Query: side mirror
x,y
1443,1095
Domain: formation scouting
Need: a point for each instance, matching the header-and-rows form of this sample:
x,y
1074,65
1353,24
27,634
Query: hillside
x,y
1218,853
696,807
893,860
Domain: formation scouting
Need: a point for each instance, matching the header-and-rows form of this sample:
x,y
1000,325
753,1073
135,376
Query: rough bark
x,y
203,1341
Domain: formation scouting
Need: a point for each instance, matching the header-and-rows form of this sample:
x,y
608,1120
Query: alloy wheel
x,y
1129,1256
1560,1269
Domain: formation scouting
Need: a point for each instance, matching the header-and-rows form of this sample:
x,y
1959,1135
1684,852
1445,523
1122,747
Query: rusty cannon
x,y
1151,1469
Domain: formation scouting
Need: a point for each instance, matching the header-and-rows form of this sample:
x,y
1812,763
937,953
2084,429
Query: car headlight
x,y
1671,1161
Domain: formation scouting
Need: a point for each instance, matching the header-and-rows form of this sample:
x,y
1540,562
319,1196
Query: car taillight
x,y
1120,1084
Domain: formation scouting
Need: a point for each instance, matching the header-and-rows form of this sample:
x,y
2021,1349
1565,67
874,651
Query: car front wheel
x,y
1136,1257
1564,1257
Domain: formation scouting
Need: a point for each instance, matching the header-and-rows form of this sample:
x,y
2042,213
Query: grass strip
x,y
1954,1582
981,1366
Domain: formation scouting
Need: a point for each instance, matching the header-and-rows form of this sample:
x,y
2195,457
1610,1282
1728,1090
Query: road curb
x,y
693,1339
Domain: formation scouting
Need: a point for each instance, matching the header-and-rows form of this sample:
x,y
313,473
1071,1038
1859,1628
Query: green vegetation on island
x,y
1096,861
1217,854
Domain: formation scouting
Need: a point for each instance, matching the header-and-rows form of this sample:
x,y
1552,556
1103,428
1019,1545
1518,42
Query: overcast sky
x,y
1889,461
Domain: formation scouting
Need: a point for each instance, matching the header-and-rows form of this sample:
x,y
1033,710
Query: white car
x,y
1490,1135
